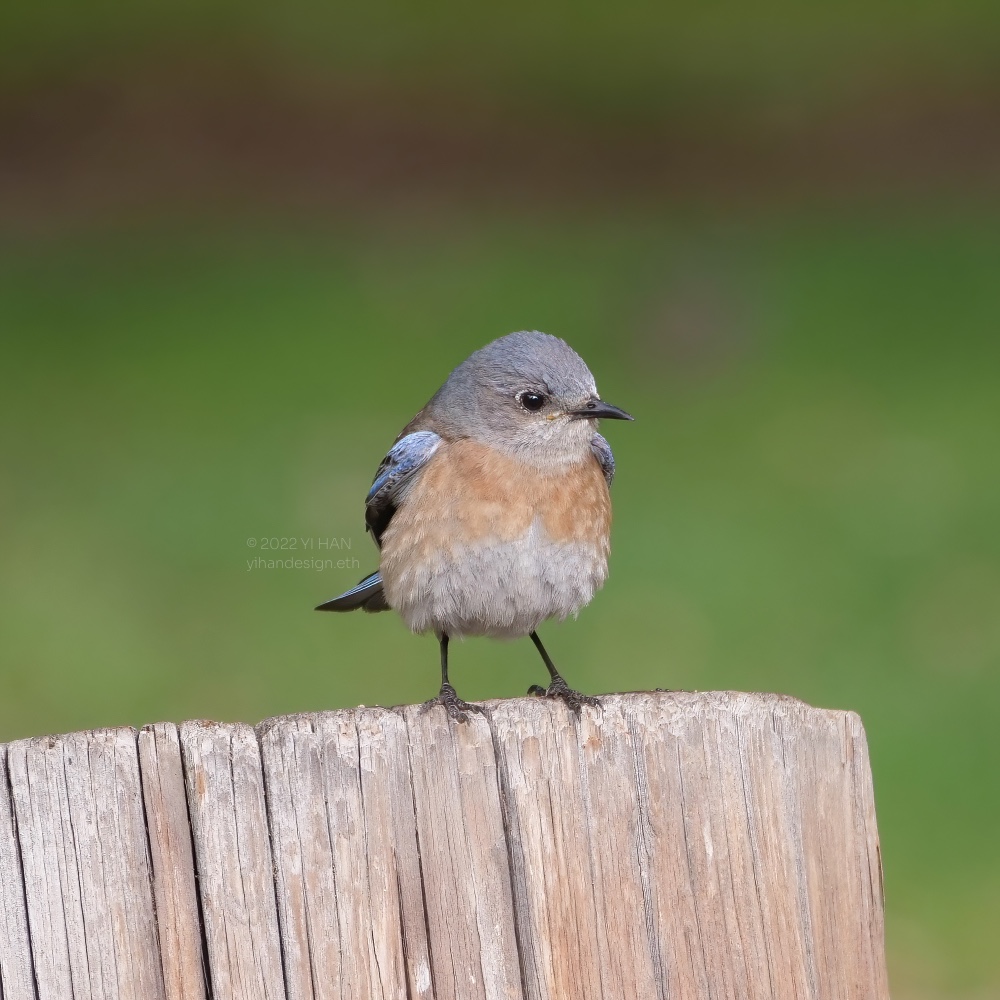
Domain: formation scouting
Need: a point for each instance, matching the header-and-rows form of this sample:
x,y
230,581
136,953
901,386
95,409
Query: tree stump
x,y
669,846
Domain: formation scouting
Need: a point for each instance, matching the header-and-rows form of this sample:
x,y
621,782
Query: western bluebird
x,y
491,510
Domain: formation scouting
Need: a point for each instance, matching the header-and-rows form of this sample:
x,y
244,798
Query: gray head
x,y
528,394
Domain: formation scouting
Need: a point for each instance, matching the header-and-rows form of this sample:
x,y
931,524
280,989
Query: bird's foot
x,y
561,690
453,705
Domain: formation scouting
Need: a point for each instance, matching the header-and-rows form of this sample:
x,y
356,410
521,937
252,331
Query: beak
x,y
595,409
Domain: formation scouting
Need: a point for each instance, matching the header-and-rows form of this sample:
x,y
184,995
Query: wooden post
x,y
668,846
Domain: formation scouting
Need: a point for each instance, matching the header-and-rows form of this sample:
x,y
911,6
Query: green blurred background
x,y
242,244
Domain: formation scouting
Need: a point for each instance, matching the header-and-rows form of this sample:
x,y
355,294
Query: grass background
x,y
807,501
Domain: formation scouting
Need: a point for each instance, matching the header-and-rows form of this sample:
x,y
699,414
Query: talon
x,y
456,708
537,690
561,690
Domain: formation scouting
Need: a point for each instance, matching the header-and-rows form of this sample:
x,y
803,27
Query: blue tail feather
x,y
368,594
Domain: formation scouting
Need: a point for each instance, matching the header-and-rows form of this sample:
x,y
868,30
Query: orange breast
x,y
469,491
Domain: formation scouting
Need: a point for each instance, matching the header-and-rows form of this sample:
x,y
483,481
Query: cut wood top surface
x,y
667,845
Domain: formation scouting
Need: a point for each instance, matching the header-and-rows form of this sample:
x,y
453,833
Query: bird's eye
x,y
533,401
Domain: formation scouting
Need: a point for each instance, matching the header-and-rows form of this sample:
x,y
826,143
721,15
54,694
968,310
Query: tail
x,y
367,594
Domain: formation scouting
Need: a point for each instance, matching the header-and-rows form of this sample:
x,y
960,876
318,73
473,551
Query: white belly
x,y
505,589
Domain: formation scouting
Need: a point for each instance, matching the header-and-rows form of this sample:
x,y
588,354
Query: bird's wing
x,y
602,452
395,476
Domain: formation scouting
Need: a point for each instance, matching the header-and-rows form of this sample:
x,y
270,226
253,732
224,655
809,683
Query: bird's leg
x,y
447,696
558,688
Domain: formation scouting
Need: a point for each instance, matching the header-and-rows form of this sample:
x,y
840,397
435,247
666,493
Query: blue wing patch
x,y
602,452
405,458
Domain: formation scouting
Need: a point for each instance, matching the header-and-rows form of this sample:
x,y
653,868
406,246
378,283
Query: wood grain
x,y
174,891
665,846
225,791
344,835
464,859
17,980
82,837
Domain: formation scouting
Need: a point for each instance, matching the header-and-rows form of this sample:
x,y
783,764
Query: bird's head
x,y
527,394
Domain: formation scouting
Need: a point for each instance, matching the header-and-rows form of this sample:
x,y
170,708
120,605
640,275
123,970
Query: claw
x,y
561,690
456,708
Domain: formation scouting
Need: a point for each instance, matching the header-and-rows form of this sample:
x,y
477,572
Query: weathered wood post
x,y
670,846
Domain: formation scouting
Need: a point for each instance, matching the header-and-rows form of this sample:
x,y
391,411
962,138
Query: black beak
x,y
594,409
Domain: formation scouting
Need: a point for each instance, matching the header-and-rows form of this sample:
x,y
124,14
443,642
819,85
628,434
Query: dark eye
x,y
533,401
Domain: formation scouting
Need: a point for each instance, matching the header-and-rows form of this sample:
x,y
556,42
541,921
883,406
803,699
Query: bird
x,y
491,511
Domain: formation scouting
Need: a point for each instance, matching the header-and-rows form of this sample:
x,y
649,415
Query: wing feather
x,y
404,461
602,452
